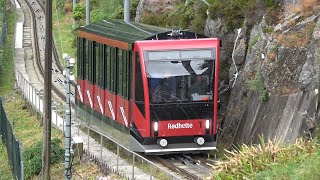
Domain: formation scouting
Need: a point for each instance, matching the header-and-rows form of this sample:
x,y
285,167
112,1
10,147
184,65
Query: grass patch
x,y
272,161
6,61
254,41
297,38
62,29
28,130
5,171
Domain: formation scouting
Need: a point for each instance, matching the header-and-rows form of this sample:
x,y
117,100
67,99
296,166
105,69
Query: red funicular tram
x,y
161,85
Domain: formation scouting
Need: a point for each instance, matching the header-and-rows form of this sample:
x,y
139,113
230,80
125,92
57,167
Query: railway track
x,y
38,21
189,167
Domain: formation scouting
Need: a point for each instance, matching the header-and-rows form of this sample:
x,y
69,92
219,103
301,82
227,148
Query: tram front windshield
x,y
180,75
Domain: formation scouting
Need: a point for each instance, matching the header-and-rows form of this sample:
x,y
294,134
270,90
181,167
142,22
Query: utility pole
x,y
74,4
47,94
87,12
67,164
126,11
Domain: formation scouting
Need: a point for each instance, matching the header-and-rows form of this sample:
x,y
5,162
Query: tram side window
x,y
124,74
129,60
120,72
79,59
139,96
139,85
108,64
91,63
102,65
113,68
96,63
86,59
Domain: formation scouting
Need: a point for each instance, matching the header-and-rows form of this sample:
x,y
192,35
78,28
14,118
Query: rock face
x,y
282,103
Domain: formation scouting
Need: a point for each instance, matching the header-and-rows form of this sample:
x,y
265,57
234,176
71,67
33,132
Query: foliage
x,y
79,12
32,157
256,84
235,11
184,17
271,3
60,4
271,161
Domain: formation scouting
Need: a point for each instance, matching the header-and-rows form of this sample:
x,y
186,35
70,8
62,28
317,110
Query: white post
x,y
87,12
126,11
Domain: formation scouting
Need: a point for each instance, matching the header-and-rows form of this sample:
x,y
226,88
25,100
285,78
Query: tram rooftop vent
x,y
175,33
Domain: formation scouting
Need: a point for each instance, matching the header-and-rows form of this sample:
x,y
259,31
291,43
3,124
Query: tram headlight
x,y
207,124
155,126
162,142
199,140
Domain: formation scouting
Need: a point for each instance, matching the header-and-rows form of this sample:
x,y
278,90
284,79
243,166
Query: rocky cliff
x,y
269,73
273,77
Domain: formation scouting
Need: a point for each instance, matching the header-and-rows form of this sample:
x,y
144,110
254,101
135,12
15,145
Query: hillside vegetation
x,y
27,127
63,18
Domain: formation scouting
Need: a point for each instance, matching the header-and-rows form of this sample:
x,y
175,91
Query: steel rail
x,y
37,53
176,169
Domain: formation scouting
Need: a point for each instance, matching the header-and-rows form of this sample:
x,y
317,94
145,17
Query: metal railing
x,y
14,147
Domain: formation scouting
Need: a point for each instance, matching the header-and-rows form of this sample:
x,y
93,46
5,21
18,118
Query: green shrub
x,y
32,157
256,84
79,12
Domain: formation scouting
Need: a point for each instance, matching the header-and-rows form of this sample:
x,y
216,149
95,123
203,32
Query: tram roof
x,y
124,34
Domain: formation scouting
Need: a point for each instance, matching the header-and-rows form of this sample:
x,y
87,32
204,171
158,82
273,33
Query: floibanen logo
x,y
180,126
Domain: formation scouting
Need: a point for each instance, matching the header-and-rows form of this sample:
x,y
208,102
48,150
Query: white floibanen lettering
x,y
180,126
